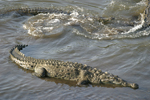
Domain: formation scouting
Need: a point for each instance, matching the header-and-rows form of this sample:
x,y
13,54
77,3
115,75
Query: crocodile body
x,y
83,74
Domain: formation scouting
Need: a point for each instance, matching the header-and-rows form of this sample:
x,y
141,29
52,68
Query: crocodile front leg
x,y
82,78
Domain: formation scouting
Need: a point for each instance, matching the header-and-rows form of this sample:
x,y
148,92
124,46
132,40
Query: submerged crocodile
x,y
35,11
83,74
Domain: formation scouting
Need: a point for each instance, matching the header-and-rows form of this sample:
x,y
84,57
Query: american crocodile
x,y
83,74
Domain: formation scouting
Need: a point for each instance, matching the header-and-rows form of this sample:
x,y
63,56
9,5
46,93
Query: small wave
x,y
53,23
45,24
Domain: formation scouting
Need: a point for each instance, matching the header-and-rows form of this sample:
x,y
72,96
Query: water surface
x,y
76,38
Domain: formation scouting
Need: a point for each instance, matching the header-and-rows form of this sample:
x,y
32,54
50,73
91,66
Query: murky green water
x,y
114,47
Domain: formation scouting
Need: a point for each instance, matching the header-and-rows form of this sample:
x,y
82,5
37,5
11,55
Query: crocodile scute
x,y
80,73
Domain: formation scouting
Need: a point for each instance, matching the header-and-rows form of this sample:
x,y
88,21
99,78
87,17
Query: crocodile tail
x,y
32,11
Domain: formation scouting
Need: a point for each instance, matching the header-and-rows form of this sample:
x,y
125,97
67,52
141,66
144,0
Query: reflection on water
x,y
127,58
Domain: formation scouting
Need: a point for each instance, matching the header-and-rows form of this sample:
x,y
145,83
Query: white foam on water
x,y
137,27
85,24
45,24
